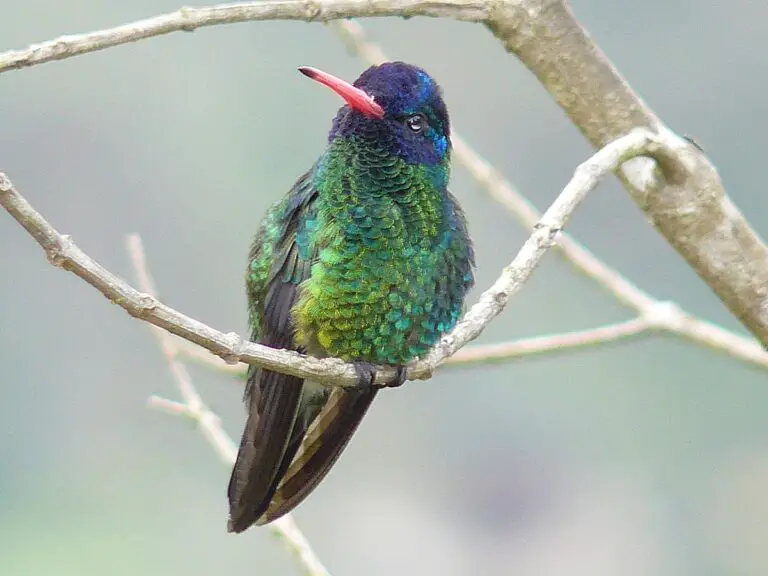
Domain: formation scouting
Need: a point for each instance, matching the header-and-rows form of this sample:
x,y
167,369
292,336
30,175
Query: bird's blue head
x,y
396,106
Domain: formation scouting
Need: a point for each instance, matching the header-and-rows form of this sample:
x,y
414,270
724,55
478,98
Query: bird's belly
x,y
386,316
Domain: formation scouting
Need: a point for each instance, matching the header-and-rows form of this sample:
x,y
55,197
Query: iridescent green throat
x,y
377,230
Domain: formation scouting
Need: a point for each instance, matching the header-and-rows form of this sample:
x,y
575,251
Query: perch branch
x,y
535,345
193,407
661,317
62,252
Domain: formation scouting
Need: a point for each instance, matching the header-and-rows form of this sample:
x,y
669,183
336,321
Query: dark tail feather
x,y
326,439
273,399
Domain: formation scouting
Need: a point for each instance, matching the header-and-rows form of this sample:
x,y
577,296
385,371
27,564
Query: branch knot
x,y
5,183
146,304
187,22
58,253
236,344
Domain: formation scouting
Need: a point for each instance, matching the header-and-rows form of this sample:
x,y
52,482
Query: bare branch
x,y
669,317
682,197
189,19
535,345
62,252
193,407
661,317
561,342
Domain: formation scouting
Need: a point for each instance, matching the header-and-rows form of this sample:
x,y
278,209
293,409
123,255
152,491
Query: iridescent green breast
x,y
393,259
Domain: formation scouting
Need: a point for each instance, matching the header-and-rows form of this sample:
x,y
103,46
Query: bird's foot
x,y
401,373
366,376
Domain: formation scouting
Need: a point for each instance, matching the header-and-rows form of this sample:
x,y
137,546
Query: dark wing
x,y
277,265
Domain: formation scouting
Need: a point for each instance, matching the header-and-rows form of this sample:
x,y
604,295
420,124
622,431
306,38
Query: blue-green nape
x,y
367,259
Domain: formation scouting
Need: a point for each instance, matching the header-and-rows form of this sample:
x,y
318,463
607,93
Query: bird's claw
x,y
400,375
366,376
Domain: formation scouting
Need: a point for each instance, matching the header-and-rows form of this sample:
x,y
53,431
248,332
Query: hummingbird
x,y
366,259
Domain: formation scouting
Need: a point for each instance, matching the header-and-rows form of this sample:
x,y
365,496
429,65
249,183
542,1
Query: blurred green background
x,y
649,457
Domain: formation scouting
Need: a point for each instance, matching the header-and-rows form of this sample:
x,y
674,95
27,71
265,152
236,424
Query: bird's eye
x,y
416,123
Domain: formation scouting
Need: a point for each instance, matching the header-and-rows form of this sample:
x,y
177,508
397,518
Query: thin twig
x,y
562,342
192,406
679,322
64,253
189,19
